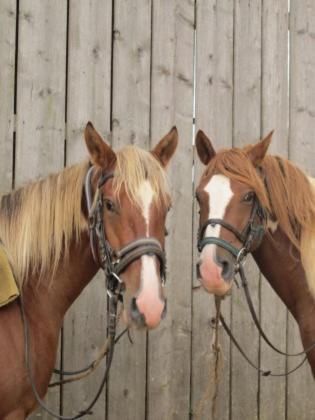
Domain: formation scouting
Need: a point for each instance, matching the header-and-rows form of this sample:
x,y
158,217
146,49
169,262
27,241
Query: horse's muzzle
x,y
215,271
150,319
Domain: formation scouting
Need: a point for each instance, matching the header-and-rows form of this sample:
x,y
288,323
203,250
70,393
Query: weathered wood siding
x,y
234,68
130,125
169,347
214,115
40,99
88,98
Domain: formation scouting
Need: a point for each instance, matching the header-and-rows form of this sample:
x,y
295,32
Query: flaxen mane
x,y
287,194
38,221
135,165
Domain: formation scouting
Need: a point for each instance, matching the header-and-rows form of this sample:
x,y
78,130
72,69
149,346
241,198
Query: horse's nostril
x,y
133,305
137,317
225,268
226,265
198,269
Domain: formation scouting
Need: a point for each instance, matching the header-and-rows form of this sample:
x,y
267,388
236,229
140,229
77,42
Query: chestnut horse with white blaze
x,y
235,182
44,230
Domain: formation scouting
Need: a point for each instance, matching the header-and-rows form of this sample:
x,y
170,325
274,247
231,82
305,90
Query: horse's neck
x,y
57,294
282,267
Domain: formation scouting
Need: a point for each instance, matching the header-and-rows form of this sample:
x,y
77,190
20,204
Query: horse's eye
x,y
249,197
110,206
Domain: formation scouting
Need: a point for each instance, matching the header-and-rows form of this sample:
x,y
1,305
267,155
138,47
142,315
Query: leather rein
x,y
113,263
252,234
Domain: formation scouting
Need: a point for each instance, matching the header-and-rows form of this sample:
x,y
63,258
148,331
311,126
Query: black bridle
x,y
250,236
113,263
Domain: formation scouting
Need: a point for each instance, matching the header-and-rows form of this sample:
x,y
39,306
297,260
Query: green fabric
x,y
8,288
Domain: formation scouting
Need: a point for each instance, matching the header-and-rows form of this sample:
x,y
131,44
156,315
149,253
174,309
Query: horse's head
x,y
233,204
135,204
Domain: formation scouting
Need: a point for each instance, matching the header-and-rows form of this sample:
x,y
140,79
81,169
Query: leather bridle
x,y
250,236
113,263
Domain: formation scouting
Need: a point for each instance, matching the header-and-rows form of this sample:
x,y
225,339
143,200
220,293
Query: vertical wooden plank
x,y
131,124
88,98
41,89
40,100
214,102
247,86
274,116
169,349
300,398
7,69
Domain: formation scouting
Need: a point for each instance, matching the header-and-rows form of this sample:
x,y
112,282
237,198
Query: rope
x,y
87,371
216,365
83,373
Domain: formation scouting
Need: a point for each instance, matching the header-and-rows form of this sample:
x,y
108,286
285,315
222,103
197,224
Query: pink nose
x,y
151,308
211,273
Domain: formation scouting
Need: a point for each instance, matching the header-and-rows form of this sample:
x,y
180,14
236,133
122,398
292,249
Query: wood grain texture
x,y
131,125
300,398
131,72
7,69
40,89
89,80
169,348
274,115
247,103
40,101
214,102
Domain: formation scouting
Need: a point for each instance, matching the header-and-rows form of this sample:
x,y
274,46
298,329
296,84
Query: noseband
x,y
251,233
114,262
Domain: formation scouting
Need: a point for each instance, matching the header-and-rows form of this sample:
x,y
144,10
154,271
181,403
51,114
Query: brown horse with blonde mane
x,y
44,230
242,185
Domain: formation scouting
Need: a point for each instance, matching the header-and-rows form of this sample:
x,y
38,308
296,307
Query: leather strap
x,y
208,240
135,250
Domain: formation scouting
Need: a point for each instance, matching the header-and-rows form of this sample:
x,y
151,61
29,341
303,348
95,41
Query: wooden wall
x,y
236,69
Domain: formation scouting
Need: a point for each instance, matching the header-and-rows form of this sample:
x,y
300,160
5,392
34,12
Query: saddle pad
x,y
8,288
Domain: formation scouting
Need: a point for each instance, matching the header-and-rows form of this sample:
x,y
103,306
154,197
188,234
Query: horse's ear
x,y
166,147
101,154
257,152
204,147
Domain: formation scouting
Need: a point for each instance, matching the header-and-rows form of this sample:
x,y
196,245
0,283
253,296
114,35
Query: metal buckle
x,y
241,258
117,277
241,255
110,293
92,221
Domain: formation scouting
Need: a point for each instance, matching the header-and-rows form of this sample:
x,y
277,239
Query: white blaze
x,y
220,194
150,281
146,194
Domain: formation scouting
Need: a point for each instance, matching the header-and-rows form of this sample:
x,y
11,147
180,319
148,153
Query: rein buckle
x,y
241,258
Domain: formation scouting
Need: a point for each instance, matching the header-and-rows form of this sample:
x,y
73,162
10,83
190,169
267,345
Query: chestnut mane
x,y
284,191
